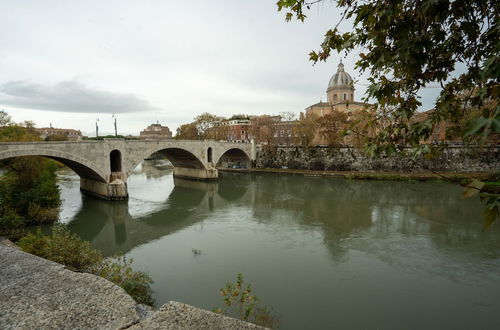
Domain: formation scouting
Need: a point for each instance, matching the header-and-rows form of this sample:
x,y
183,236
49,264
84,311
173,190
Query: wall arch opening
x,y
115,161
209,155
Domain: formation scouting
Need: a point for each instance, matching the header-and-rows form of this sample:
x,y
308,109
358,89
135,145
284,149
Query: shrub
x,y
68,249
238,301
119,271
62,247
28,192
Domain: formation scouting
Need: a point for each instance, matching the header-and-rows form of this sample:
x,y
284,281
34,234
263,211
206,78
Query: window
x,y
345,96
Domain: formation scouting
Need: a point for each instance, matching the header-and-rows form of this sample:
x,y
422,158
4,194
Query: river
x,y
325,253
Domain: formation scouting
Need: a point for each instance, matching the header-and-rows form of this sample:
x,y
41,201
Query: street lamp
x,y
116,132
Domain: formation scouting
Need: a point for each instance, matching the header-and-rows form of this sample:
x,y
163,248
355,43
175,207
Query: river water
x,y
325,253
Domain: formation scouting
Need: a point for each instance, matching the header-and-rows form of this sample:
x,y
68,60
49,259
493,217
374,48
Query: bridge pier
x,y
203,174
115,191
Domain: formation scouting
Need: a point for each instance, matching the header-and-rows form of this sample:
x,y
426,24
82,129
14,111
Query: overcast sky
x,y
67,63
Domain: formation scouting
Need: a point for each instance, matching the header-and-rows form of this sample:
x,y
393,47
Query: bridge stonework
x,y
104,166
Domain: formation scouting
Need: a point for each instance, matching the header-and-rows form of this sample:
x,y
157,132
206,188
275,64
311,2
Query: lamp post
x,y
97,128
116,131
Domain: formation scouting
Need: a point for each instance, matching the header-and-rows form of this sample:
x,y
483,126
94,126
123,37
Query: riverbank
x,y
453,159
38,293
375,175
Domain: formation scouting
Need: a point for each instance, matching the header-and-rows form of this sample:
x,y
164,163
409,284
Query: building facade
x,y
340,97
65,134
235,130
156,131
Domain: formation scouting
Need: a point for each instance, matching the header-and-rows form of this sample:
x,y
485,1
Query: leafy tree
x,y
408,45
305,129
187,132
263,129
29,193
207,124
5,119
361,127
28,187
331,126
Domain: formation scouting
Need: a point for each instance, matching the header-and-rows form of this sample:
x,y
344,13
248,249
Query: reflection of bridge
x,y
104,166
99,222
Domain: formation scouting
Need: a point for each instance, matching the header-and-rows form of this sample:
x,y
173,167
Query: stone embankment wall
x,y
452,159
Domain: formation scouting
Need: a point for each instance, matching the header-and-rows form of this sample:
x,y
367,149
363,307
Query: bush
x,y
239,302
62,247
29,193
78,255
119,271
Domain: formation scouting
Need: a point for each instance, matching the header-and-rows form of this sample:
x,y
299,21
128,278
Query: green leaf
x,y
477,125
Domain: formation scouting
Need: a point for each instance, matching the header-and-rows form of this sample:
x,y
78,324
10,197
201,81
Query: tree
x,y
28,187
263,129
187,132
206,123
288,115
29,193
12,132
4,119
407,45
305,129
361,127
332,126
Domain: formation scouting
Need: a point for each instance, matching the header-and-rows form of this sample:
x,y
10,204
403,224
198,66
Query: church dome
x,y
341,78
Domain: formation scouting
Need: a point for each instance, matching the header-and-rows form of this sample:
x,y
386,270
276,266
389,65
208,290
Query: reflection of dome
x,y
341,78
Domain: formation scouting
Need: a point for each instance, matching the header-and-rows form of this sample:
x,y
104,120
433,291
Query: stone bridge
x,y
104,166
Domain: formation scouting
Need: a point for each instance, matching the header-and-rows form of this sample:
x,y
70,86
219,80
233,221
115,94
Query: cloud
x,y
69,96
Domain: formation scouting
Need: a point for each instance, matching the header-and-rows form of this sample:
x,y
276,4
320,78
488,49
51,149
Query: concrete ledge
x,y
40,294
177,316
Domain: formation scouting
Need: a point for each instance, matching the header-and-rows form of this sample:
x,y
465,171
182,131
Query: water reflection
x,y
343,246
340,209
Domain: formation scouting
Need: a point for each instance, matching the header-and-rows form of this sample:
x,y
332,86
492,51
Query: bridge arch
x,y
179,157
234,156
84,168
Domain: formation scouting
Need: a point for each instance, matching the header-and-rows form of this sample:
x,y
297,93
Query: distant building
x,y
236,129
340,97
156,131
61,134
286,132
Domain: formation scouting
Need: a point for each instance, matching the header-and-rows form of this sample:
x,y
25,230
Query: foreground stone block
x,y
36,293
177,316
